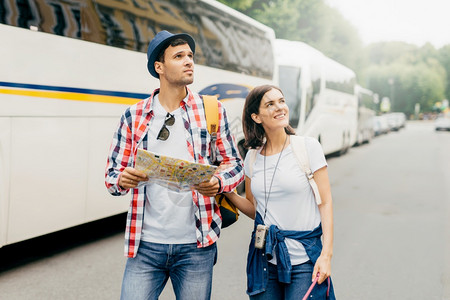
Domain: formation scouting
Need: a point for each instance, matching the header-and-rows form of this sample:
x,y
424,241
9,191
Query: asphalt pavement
x,y
392,233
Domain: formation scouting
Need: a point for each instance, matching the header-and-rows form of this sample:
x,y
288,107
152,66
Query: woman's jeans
x,y
301,279
189,268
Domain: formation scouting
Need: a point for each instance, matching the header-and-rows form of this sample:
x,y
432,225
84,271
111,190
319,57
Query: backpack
x,y
228,210
298,144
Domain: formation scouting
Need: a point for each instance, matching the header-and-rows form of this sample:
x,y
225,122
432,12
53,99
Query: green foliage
x,y
271,14
240,5
388,52
406,73
444,59
309,21
343,44
410,78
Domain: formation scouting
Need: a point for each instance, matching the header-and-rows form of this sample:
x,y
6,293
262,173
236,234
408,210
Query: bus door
x,y
5,138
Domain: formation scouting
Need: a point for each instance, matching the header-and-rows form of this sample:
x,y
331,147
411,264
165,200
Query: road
x,y
392,233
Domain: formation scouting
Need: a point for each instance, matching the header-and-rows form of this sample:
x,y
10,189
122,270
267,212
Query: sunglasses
x,y
164,132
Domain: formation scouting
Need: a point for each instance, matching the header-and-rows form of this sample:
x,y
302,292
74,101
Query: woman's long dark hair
x,y
254,132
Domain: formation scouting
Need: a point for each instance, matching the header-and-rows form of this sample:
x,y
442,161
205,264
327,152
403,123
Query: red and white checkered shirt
x,y
131,133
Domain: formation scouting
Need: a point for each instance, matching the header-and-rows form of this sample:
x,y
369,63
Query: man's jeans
x,y
189,268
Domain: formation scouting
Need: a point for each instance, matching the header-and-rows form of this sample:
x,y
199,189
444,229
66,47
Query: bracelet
x,y
220,184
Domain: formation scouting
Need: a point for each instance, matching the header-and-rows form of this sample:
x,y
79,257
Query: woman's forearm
x,y
325,209
326,215
243,204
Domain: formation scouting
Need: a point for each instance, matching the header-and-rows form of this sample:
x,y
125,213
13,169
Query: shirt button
x,y
265,269
263,254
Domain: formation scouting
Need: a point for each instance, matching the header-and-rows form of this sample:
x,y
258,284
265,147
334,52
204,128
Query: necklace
x,y
267,195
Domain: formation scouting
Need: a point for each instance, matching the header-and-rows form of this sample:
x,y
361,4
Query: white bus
x,y
366,115
68,69
320,94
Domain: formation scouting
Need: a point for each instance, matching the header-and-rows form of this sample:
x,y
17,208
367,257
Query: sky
x,y
412,21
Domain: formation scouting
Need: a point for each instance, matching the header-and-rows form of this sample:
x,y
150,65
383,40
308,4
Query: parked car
x,y
402,119
396,120
380,125
442,122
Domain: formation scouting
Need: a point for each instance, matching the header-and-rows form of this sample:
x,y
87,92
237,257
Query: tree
x,y
444,59
408,80
343,43
404,72
310,21
389,52
240,5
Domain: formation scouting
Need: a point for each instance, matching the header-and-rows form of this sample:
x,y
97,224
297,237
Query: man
x,y
168,233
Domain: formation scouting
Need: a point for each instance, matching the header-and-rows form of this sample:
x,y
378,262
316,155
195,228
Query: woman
x,y
285,202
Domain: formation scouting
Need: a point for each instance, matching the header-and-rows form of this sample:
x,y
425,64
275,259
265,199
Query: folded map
x,y
173,173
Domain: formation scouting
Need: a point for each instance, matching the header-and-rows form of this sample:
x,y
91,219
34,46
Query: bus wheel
x,y
360,139
345,144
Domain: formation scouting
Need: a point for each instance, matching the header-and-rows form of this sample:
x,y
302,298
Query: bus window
x,y
28,14
338,80
366,100
60,20
314,91
223,40
310,94
290,85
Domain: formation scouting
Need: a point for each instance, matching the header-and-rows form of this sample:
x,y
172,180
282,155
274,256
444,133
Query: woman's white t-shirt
x,y
291,204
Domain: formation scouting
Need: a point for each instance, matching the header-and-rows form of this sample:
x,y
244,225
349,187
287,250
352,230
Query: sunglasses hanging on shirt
x,y
164,132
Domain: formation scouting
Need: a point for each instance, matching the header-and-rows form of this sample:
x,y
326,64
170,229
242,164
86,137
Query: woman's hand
x,y
323,266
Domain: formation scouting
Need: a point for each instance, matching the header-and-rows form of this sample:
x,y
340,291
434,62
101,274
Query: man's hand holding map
x,y
174,173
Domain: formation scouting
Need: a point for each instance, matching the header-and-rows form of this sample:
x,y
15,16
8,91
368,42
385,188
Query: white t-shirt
x,y
291,204
169,215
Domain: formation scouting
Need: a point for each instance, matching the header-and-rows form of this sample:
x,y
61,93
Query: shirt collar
x,y
187,101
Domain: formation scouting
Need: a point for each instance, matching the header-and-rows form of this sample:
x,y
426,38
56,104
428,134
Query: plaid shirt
x,y
131,134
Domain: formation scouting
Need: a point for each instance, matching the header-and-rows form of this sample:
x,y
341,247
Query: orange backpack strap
x,y
211,113
228,210
212,121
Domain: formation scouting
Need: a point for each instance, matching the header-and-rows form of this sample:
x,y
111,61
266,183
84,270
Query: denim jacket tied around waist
x,y
257,260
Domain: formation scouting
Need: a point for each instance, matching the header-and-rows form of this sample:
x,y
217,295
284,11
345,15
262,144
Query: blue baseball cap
x,y
161,40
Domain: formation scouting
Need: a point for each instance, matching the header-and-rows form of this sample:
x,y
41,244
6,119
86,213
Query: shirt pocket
x,y
202,145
